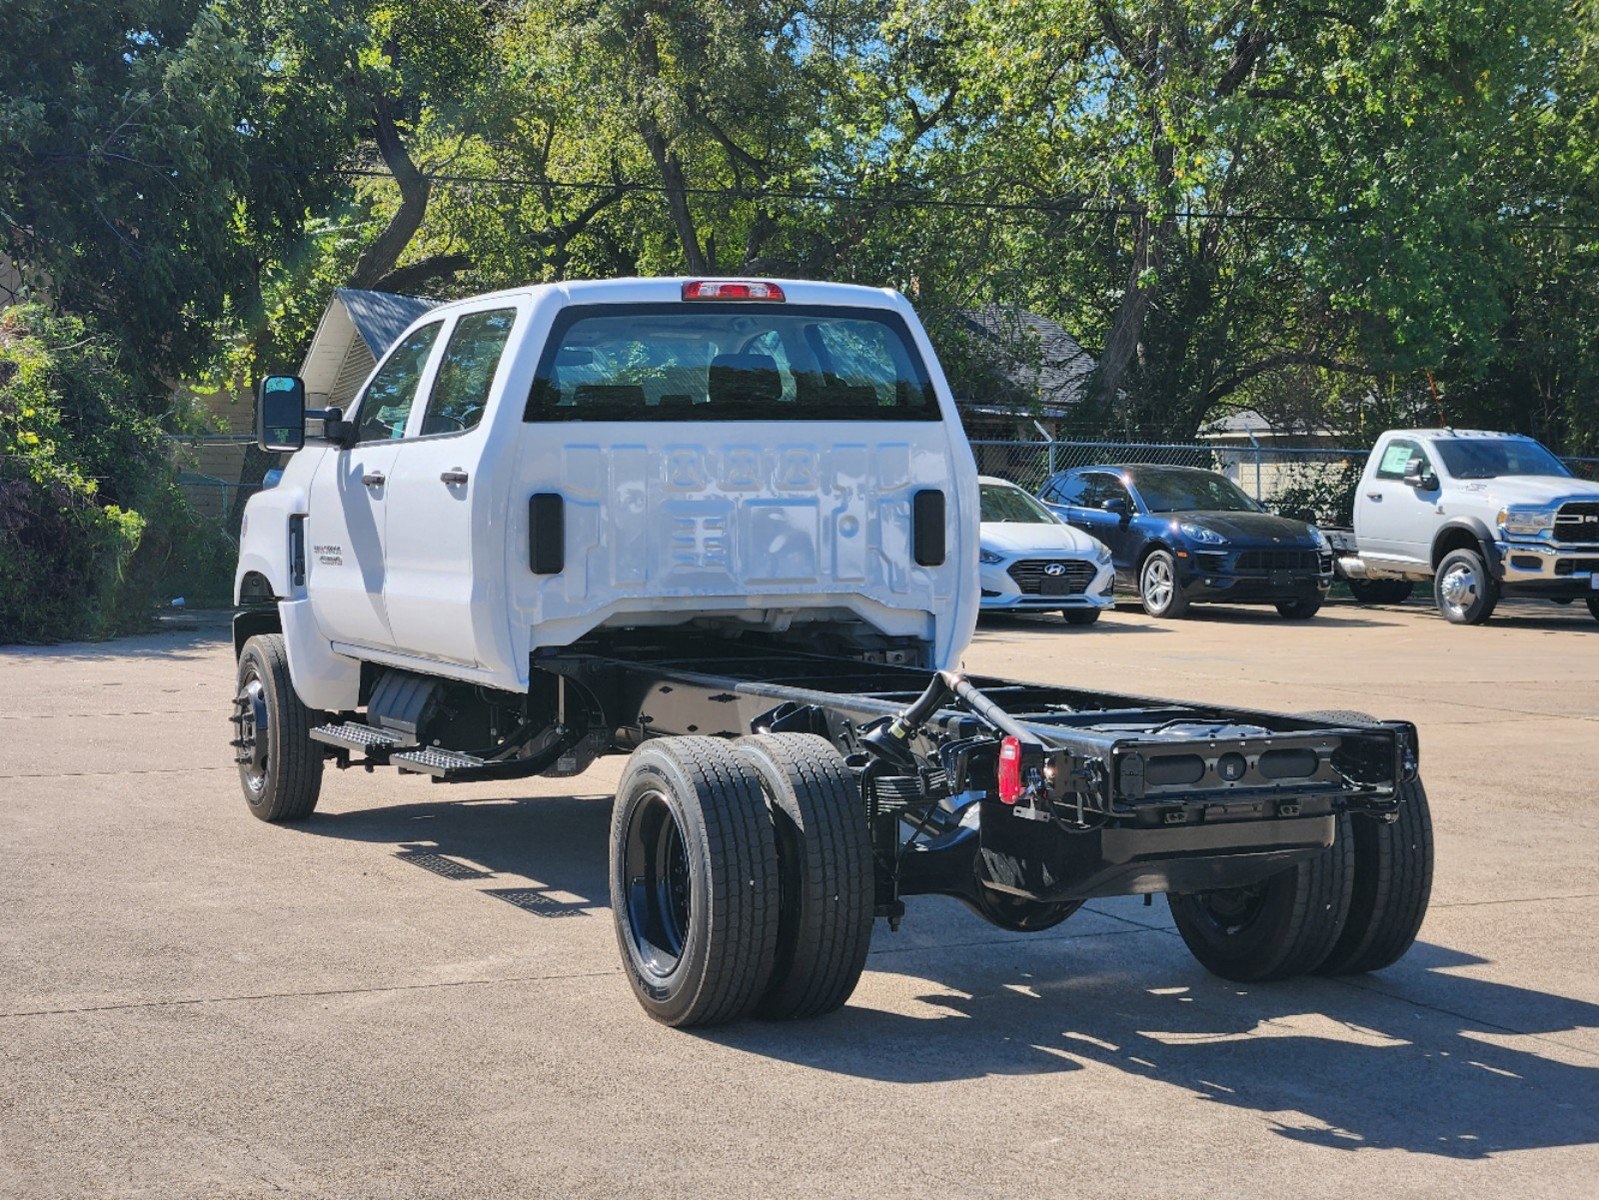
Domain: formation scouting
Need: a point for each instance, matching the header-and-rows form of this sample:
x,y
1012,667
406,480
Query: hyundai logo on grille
x,y
1055,569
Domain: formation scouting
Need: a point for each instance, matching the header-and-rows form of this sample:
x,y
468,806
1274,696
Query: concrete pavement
x,y
416,992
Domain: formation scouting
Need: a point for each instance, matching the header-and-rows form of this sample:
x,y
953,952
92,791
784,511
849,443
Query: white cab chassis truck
x,y
730,528
1480,514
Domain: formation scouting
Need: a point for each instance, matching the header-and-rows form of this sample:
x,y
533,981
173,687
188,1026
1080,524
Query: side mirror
x,y
1115,505
1420,477
280,413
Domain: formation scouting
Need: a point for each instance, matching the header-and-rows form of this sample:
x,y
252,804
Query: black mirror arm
x,y
335,428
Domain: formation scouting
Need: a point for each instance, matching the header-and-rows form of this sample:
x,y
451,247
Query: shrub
x,y
93,528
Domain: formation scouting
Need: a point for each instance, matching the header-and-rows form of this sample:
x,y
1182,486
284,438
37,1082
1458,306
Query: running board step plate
x,y
441,764
358,737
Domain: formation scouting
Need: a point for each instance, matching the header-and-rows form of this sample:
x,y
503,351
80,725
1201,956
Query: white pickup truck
x,y
730,528
1480,514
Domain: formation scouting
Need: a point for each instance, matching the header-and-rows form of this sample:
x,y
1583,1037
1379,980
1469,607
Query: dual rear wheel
x,y
1355,907
741,878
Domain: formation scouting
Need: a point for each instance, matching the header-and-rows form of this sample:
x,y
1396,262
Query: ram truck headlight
x,y
989,559
1526,522
1205,537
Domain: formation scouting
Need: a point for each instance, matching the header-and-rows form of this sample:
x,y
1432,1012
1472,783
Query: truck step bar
x,y
353,735
439,763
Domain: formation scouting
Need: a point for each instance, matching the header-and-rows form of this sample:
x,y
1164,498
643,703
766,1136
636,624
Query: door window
x,y
1108,487
386,403
1071,490
1398,455
460,390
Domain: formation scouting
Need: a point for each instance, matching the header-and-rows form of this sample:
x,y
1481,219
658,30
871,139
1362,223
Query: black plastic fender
x,y
1480,531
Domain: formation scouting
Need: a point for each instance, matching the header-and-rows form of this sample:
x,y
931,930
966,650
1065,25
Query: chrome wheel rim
x,y
253,720
1459,588
1158,582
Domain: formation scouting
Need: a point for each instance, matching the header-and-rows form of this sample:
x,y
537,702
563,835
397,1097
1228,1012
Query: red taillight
x,y
731,289
1010,771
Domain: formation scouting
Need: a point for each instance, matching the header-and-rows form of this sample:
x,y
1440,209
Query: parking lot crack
x,y
193,1001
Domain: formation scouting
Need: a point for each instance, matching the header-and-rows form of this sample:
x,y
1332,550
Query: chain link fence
x,y
1313,482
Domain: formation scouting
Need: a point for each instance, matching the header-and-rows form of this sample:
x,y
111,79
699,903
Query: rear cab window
x,y
730,362
461,386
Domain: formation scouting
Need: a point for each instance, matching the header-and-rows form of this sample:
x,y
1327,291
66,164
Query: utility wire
x,y
1091,205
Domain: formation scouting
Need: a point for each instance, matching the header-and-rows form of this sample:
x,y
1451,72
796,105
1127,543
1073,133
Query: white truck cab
x,y
1480,513
526,468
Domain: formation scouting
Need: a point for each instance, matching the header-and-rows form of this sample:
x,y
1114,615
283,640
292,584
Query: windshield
x,y
738,362
1489,458
1013,506
1189,491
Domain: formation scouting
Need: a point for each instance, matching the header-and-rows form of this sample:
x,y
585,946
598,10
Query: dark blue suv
x,y
1182,536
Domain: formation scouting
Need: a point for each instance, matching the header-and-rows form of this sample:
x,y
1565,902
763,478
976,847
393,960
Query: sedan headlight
x,y
1526,522
1102,555
989,559
1198,533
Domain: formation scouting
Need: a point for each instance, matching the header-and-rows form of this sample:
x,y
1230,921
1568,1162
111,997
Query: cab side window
x,y
1398,455
1111,488
466,372
386,403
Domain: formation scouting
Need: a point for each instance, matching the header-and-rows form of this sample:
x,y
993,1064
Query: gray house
x,y
354,332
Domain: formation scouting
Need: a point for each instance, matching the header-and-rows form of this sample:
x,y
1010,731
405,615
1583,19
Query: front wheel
x,y
280,767
1159,588
1283,926
1080,616
1300,610
1464,588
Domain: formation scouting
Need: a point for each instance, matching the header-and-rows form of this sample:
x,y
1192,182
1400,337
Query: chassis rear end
x,y
777,802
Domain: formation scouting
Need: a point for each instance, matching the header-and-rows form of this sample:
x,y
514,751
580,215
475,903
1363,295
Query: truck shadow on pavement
x,y
1346,1064
546,855
1417,1057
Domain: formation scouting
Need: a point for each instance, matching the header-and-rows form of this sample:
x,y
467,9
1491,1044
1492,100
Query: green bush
x,y
93,528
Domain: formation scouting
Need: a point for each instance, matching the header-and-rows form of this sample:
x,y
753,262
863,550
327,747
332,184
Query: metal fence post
x,y
1256,445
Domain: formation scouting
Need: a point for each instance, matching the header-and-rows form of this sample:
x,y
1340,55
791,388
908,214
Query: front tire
x,y
827,882
1080,616
1299,610
280,767
1286,925
1464,589
1159,587
694,883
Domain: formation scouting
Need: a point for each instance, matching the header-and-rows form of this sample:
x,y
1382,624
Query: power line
x,y
1089,205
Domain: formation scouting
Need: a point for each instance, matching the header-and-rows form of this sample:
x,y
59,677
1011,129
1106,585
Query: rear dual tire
x,y
741,878
1381,591
1356,907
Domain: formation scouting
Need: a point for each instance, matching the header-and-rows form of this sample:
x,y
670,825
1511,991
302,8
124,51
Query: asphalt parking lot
x,y
416,992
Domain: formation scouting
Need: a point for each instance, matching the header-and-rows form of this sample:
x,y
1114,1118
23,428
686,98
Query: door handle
x,y
374,479
453,477
1374,496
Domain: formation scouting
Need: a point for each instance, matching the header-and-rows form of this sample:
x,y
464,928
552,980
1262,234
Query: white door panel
x,y
431,584
345,530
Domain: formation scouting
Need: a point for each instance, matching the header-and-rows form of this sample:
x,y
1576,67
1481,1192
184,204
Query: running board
x,y
354,736
440,763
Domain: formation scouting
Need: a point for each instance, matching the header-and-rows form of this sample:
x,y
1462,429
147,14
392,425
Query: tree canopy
x,y
1323,212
